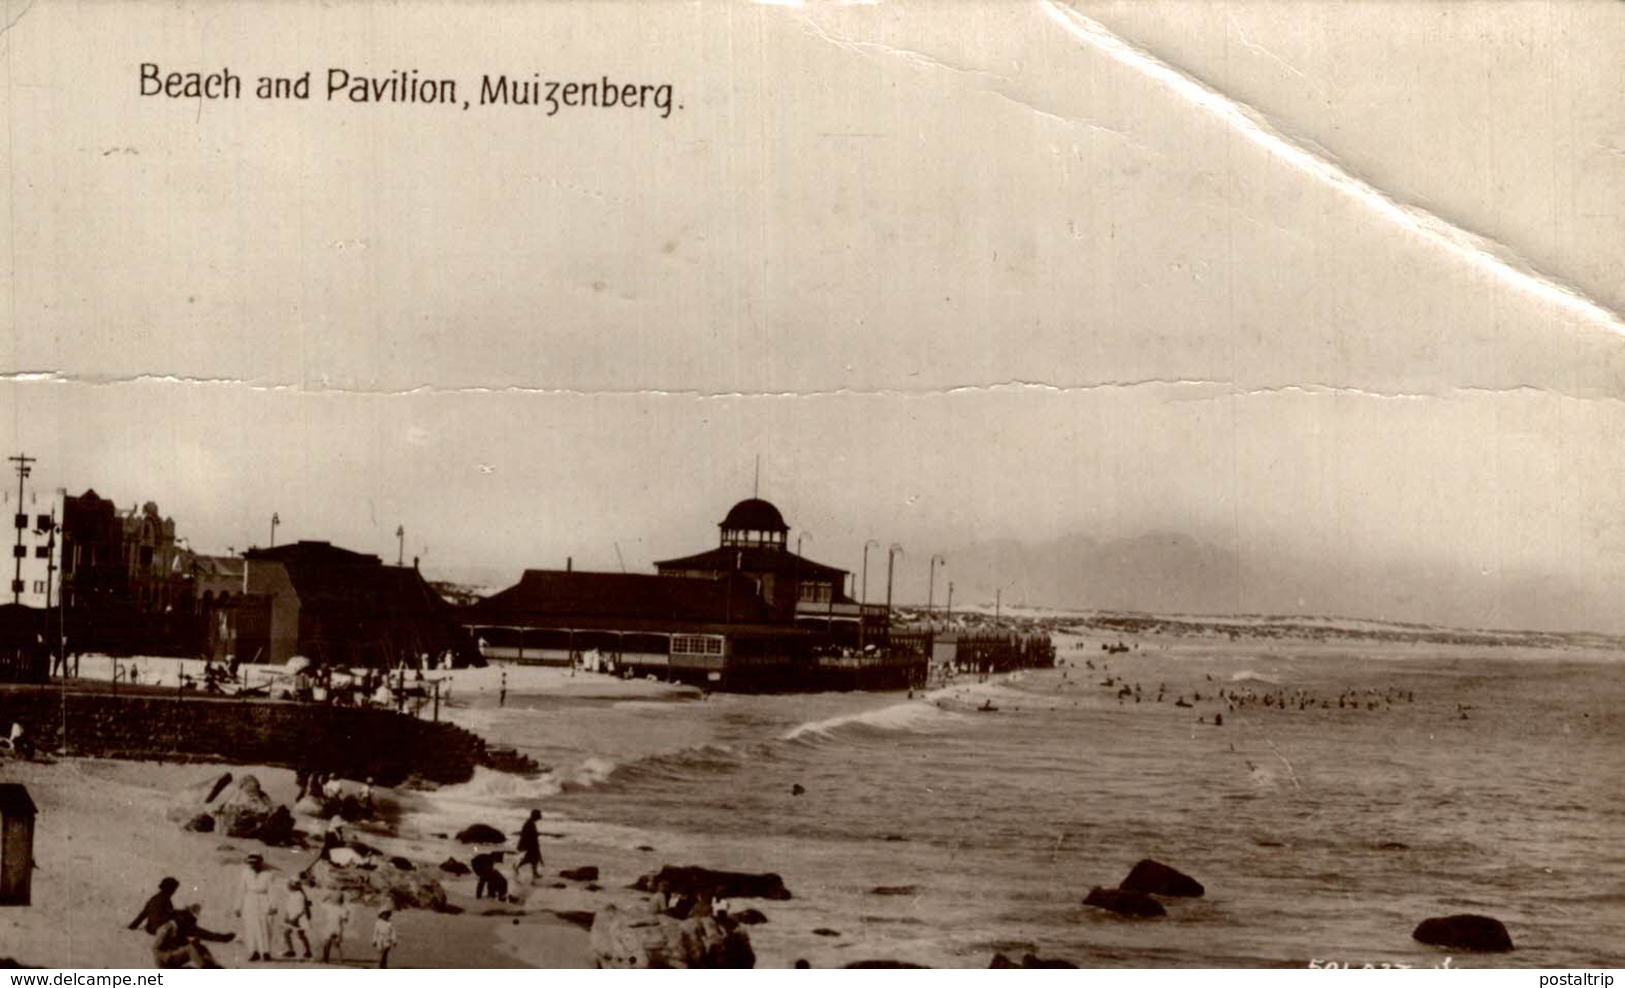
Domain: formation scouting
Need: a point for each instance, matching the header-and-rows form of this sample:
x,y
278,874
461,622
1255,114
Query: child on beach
x,y
335,917
383,936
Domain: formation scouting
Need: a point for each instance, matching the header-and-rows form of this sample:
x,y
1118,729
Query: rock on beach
x,y
695,881
1466,931
482,833
1156,878
1124,902
627,939
382,884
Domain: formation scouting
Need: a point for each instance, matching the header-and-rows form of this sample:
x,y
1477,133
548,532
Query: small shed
x,y
16,844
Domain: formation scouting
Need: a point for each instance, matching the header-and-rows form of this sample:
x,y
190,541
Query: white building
x,y
35,576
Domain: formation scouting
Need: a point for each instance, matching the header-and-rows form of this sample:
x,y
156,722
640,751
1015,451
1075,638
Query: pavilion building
x,y
748,613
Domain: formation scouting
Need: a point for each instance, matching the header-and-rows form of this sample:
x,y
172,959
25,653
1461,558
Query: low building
x,y
747,614
337,608
716,631
755,544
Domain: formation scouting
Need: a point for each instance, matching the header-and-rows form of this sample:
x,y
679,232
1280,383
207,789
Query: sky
x,y
1327,282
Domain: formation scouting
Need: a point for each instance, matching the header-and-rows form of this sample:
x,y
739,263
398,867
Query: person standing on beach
x,y
383,936
530,848
296,918
256,908
159,909
502,694
335,917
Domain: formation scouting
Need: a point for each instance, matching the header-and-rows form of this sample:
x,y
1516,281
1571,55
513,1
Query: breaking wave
x,y
912,715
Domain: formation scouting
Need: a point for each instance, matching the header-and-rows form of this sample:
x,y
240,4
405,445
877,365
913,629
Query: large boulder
x,y
380,883
1156,878
1028,961
1124,902
1481,934
482,833
196,798
277,828
692,881
631,939
243,808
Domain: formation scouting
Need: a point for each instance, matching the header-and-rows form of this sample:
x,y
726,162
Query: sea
x,y
972,819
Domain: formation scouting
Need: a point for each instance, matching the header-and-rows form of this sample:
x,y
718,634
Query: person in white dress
x,y
256,908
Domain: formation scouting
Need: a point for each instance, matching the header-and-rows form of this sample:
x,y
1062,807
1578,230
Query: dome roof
x,y
754,515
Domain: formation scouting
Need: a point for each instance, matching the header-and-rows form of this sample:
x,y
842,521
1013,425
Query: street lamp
x,y
400,554
863,594
931,587
891,555
275,521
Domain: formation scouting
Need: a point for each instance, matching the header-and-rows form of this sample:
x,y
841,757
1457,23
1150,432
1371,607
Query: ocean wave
x,y
911,715
704,759
1249,676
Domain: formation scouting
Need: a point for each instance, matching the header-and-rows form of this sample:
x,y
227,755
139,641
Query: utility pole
x,y
23,470
400,536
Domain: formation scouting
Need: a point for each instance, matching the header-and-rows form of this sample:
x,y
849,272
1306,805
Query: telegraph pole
x,y
23,470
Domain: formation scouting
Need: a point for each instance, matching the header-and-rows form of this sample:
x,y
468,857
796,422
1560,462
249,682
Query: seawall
x,y
159,725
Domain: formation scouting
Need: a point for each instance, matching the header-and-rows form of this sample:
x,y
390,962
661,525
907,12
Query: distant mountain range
x,y
1173,573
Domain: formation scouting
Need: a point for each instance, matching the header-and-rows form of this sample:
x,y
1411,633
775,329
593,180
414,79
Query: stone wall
x,y
166,726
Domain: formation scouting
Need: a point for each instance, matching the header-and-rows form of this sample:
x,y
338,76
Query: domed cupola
x,y
754,522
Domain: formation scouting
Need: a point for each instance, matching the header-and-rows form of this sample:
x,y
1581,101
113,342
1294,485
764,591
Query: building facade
x,y
747,614
335,607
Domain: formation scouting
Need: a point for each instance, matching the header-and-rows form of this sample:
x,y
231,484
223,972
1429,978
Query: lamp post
x,y
863,594
275,521
891,555
931,587
400,553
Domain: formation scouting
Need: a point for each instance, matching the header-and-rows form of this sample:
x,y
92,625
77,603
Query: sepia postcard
x,y
1112,485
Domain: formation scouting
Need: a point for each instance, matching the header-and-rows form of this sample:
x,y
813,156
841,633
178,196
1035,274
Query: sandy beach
x,y
103,843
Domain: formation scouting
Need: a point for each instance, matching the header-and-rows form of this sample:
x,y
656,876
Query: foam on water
x,y
910,715
1319,833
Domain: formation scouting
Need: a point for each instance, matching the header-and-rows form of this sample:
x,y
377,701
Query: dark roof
x,y
311,552
14,800
21,624
754,559
545,596
754,515
355,585
217,566
364,588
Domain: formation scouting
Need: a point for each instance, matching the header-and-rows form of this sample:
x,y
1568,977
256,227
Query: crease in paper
x,y
1482,252
1226,388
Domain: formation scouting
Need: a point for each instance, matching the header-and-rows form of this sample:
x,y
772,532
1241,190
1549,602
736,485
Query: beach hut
x,y
16,844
